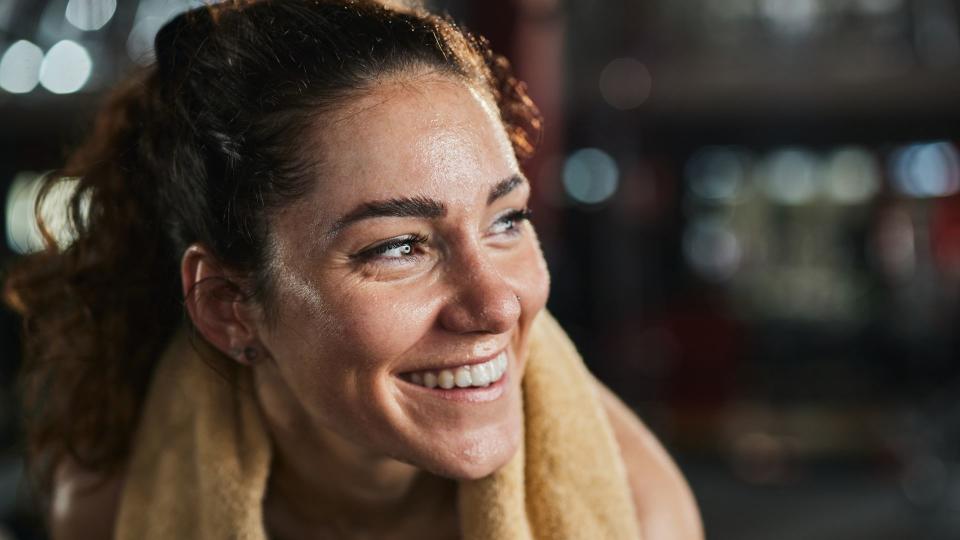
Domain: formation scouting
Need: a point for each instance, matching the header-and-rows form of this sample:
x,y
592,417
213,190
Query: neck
x,y
318,477
318,466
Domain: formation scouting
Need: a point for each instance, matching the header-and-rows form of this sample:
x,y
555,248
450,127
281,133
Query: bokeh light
x,y
791,16
894,244
926,170
66,67
20,67
590,176
711,248
625,83
90,15
852,176
790,176
717,174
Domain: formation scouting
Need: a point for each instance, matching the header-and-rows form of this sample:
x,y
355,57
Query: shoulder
x,y
665,505
84,504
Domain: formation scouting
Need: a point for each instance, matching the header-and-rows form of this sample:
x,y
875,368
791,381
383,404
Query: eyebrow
x,y
420,207
504,186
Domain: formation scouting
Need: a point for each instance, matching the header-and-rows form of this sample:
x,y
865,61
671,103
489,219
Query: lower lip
x,y
470,394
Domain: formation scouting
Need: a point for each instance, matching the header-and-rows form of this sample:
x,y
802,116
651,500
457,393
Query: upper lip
x,y
446,364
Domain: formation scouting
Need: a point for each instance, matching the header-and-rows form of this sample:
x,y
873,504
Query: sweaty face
x,y
406,281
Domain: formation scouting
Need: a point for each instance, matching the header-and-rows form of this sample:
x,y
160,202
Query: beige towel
x,y
202,455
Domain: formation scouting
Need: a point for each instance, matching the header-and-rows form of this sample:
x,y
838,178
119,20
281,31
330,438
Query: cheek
x,y
350,327
532,280
333,345
532,283
379,326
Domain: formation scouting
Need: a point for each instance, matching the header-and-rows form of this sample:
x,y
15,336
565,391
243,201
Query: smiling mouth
x,y
474,376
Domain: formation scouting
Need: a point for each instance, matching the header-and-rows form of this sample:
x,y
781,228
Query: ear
x,y
217,305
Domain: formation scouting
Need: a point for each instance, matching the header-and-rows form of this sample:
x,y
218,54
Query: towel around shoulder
x,y
202,456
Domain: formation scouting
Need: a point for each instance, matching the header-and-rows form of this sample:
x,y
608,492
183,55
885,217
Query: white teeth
x,y
463,377
477,375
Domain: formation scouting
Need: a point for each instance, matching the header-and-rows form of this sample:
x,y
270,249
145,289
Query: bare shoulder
x,y
84,504
665,505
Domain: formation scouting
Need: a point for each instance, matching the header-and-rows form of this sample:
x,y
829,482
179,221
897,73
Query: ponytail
x,y
96,311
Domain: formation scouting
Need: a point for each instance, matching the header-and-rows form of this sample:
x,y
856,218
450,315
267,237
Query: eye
x,y
397,248
509,223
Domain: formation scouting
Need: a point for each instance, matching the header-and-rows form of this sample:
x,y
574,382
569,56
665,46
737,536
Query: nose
x,y
482,300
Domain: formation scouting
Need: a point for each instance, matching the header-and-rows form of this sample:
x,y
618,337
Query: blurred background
x,y
750,210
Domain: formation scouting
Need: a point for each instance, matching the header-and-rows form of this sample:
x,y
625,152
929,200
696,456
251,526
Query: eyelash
x,y
515,217
412,240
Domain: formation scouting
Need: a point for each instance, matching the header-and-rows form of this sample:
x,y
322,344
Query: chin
x,y
477,455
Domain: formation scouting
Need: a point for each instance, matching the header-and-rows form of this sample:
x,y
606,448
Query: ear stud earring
x,y
246,355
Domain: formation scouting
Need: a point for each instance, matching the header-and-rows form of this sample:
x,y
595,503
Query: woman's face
x,y
411,257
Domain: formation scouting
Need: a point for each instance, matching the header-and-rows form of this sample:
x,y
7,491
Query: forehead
x,y
431,136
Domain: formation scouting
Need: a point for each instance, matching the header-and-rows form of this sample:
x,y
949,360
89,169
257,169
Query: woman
x,y
331,190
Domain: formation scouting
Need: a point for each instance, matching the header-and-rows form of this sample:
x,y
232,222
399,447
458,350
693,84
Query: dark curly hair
x,y
198,148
